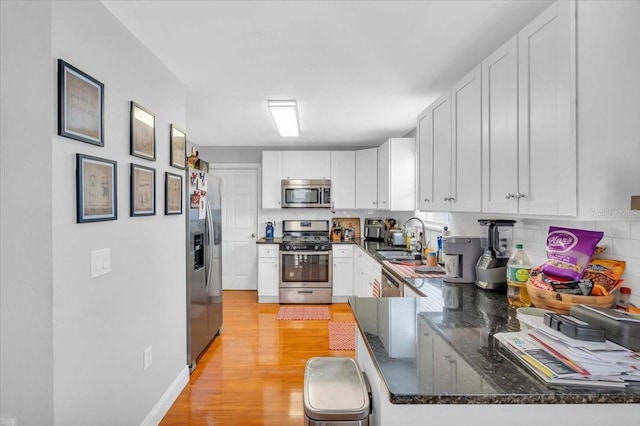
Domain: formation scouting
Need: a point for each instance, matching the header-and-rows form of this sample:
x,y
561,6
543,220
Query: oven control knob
x,y
287,247
316,248
293,247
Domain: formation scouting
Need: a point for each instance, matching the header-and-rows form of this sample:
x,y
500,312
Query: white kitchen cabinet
x,y
438,138
343,179
306,164
397,175
425,159
367,179
342,272
547,113
396,326
500,129
271,179
466,144
268,273
529,119
367,272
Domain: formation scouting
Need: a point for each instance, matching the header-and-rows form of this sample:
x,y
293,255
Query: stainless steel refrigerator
x,y
204,263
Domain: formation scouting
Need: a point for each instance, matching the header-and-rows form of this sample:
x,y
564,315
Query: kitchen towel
x,y
302,312
342,336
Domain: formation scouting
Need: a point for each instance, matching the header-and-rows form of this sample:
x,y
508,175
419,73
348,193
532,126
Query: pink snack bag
x,y
569,251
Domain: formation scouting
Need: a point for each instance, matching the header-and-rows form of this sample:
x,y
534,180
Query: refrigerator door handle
x,y
209,226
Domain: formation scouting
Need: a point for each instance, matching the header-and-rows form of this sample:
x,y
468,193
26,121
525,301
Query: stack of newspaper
x,y
561,360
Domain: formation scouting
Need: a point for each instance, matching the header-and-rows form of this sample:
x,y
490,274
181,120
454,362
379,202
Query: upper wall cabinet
x,y
306,164
450,145
529,139
367,178
397,174
343,179
271,179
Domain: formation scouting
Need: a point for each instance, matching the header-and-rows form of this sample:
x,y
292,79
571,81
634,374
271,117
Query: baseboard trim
x,y
166,401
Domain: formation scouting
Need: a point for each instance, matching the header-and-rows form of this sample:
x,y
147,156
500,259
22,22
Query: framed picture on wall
x,y
80,105
142,132
173,194
96,189
143,191
178,148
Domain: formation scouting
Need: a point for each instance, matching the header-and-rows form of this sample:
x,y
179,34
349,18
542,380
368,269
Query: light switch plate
x,y
100,262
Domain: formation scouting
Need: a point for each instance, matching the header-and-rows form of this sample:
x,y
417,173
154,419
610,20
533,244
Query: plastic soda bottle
x,y
518,270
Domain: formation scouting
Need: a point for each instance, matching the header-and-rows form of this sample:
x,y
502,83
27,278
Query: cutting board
x,y
348,222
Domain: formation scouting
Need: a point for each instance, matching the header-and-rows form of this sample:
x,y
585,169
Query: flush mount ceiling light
x,y
285,115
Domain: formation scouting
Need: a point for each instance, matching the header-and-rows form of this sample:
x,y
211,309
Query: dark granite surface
x,y
263,240
444,352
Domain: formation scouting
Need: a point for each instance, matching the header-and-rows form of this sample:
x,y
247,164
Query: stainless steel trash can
x,y
335,393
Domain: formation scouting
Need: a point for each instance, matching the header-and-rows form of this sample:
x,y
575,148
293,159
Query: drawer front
x,y
342,250
268,250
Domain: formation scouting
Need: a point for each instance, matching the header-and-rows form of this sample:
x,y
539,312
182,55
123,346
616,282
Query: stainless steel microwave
x,y
306,193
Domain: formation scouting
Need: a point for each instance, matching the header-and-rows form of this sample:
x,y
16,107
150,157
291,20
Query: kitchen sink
x,y
395,254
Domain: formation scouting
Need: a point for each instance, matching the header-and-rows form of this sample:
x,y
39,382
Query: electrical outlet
x,y
6,421
147,358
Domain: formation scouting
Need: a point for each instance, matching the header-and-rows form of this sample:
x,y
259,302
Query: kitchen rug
x,y
342,336
301,312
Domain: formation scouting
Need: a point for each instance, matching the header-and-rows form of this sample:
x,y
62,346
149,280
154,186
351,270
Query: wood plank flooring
x,y
252,373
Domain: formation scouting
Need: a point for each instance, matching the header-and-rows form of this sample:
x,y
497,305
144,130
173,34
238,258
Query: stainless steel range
x,y
305,262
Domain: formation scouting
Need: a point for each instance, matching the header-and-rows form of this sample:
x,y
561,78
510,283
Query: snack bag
x,y
569,251
604,273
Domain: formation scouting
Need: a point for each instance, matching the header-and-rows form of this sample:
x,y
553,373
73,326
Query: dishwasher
x,y
391,286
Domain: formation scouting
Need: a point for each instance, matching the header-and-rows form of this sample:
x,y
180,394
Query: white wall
x,y
103,325
26,117
72,346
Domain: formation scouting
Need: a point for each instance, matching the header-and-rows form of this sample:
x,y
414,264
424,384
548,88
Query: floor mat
x,y
342,336
301,312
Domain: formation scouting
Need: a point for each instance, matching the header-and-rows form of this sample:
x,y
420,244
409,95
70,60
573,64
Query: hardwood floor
x,y
252,373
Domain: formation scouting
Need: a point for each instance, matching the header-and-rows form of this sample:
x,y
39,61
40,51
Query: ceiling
x,y
361,71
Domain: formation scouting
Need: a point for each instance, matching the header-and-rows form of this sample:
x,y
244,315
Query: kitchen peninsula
x,y
433,359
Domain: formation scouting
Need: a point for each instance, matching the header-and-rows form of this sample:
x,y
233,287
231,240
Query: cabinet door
x,y
402,174
342,276
306,164
548,159
268,276
441,134
343,179
425,160
500,129
271,179
384,176
367,178
466,144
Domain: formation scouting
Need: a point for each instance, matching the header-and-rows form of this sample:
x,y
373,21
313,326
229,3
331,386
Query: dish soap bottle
x,y
518,270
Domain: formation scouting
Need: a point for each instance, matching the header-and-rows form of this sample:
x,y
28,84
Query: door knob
x,y
519,195
509,195
253,235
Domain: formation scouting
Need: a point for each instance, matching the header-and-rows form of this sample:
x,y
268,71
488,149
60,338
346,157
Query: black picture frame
x,y
142,190
172,194
178,154
80,105
142,132
96,189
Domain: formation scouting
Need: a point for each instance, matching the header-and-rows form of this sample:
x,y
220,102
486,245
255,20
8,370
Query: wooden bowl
x,y
562,303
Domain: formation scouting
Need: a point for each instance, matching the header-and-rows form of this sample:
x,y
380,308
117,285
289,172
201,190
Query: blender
x,y
497,242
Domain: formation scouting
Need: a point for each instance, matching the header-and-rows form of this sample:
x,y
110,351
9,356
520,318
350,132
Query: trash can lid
x,y
334,389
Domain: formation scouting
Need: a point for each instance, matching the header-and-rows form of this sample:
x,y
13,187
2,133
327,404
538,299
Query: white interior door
x,y
239,190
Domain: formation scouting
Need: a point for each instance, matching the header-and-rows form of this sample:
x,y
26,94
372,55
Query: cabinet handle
x,y
426,200
384,202
449,199
509,196
519,195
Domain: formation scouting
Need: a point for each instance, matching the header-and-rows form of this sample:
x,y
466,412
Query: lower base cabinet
x,y
268,273
342,275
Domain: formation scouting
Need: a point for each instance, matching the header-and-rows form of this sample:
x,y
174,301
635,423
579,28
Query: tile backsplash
x,y
622,239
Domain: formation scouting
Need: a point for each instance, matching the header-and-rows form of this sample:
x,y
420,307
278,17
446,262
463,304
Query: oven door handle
x,y
305,252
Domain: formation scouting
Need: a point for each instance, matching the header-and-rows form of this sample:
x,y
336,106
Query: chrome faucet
x,y
424,231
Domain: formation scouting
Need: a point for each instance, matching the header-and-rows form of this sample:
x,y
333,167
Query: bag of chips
x,y
569,251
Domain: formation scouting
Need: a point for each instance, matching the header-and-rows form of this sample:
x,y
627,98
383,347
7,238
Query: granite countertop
x,y
444,351
263,240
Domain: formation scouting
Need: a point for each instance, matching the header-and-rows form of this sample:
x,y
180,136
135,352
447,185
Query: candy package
x,y
569,251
